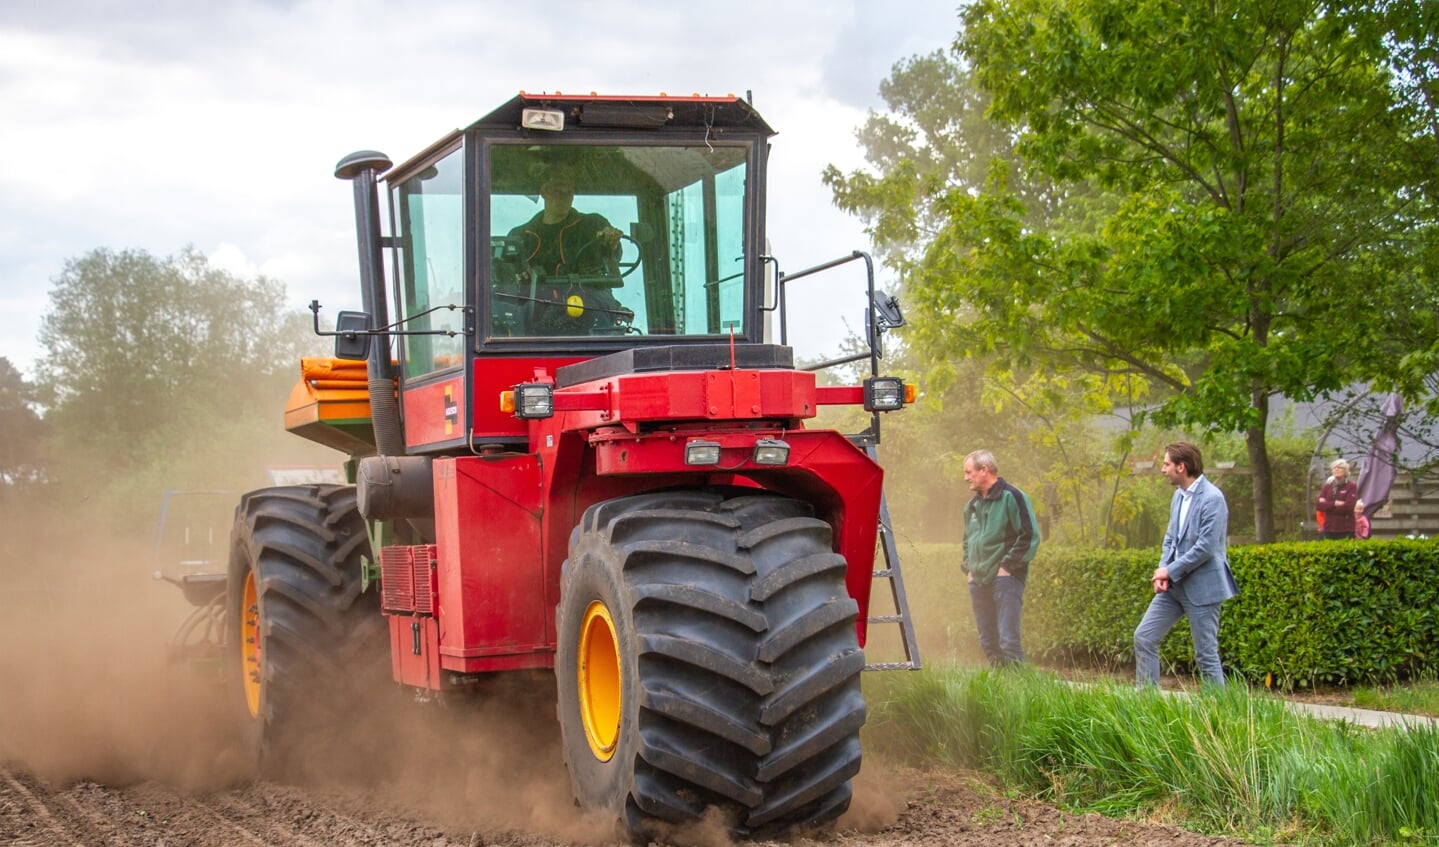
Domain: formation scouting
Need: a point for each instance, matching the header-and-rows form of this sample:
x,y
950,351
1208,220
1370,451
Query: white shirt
x,y
1186,498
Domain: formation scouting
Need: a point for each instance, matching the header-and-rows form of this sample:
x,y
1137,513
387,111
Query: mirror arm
x,y
351,334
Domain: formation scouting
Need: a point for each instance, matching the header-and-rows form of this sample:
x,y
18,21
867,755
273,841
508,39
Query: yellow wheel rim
x,y
250,645
599,678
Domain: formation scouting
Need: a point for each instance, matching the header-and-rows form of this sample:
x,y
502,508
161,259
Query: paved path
x,y
1361,717
1358,717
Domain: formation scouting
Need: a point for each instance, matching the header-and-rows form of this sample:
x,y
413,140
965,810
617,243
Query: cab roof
x,y
657,112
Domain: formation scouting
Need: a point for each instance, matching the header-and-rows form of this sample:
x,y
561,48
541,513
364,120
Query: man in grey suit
x,y
1193,577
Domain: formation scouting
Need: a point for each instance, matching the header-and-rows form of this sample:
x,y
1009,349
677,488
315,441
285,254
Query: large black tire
x,y
303,641
708,658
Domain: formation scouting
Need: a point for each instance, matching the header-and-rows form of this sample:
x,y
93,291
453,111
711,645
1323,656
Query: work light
x,y
534,400
883,394
770,451
552,120
700,452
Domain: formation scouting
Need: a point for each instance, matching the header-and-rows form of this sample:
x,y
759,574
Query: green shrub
x,y
1083,605
1307,613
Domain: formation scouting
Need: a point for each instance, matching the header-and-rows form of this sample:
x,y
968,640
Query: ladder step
x,y
890,571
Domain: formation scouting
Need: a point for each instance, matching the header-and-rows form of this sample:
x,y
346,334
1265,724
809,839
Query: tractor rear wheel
x,y
302,639
707,658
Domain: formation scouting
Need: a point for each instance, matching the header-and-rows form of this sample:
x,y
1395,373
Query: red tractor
x,y
576,453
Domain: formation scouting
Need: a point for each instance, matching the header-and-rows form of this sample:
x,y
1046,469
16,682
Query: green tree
x,y
1264,202
22,428
935,142
153,363
128,334
934,138
1414,38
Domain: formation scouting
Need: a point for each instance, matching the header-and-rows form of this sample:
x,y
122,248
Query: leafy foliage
x,y
127,332
1290,455
19,449
164,373
1082,605
1203,207
934,140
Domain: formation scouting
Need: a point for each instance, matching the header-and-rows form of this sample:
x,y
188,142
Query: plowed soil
x,y
935,809
104,741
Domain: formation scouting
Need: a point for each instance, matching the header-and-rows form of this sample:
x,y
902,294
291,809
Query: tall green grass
x,y
1216,761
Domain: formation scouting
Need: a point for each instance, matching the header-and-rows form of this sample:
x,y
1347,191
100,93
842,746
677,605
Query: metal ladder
x,y
891,572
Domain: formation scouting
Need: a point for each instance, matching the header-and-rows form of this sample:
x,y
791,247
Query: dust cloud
x,y
491,761
90,694
879,796
87,693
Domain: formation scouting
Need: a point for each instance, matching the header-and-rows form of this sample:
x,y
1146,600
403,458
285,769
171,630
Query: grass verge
x,y
1219,761
1415,698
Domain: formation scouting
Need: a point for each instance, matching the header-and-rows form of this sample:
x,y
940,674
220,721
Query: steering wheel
x,y
623,268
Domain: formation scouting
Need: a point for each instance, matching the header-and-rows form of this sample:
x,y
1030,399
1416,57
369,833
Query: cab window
x,y
429,214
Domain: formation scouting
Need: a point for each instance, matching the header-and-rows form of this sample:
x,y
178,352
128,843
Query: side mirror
x,y
887,314
352,339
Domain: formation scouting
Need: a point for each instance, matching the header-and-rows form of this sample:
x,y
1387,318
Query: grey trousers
x,y
1164,612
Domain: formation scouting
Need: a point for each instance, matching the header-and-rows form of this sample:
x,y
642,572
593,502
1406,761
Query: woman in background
x,y
1336,501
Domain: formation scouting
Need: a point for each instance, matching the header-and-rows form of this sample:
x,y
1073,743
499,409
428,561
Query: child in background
x,y
1361,523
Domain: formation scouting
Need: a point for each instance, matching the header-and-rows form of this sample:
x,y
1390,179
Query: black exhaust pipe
x,y
363,170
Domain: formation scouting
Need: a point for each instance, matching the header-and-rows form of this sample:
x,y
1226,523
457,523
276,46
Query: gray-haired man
x,y
1000,539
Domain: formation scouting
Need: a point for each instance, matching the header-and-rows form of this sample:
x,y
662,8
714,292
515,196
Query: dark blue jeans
x,y
998,607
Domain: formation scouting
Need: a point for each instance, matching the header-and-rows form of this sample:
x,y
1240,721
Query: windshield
x,y
616,240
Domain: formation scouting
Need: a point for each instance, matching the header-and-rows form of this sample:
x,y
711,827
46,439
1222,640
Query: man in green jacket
x,y
1000,539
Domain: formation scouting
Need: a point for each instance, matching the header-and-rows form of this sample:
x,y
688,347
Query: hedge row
x,y
1308,612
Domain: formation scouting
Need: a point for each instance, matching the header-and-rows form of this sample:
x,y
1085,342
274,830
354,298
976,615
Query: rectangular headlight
x,y
552,120
883,394
702,452
534,400
770,451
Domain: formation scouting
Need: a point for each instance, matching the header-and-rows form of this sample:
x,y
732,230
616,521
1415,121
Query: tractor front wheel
x,y
708,659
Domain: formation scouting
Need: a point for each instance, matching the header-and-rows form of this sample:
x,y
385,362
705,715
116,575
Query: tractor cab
x,y
557,229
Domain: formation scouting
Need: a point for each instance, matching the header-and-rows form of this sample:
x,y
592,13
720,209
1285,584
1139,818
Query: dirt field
x,y
102,741
935,809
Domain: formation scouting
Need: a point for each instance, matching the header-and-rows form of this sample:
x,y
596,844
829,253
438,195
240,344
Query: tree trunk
x,y
1255,440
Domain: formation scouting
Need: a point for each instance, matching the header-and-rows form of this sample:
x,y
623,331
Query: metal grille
x,y
424,569
407,579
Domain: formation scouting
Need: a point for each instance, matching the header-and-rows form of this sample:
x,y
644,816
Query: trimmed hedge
x,y
1308,612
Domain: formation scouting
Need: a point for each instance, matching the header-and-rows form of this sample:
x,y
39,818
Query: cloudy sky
x,y
157,124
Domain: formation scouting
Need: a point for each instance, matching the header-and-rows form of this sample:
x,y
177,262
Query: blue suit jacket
x,y
1198,558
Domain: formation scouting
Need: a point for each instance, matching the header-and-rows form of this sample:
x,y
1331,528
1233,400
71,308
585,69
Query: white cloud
x,y
231,259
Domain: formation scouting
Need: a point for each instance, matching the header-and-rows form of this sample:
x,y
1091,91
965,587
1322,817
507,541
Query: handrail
x,y
871,329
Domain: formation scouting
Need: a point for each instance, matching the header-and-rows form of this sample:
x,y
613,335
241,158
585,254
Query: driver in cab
x,y
560,266
559,240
